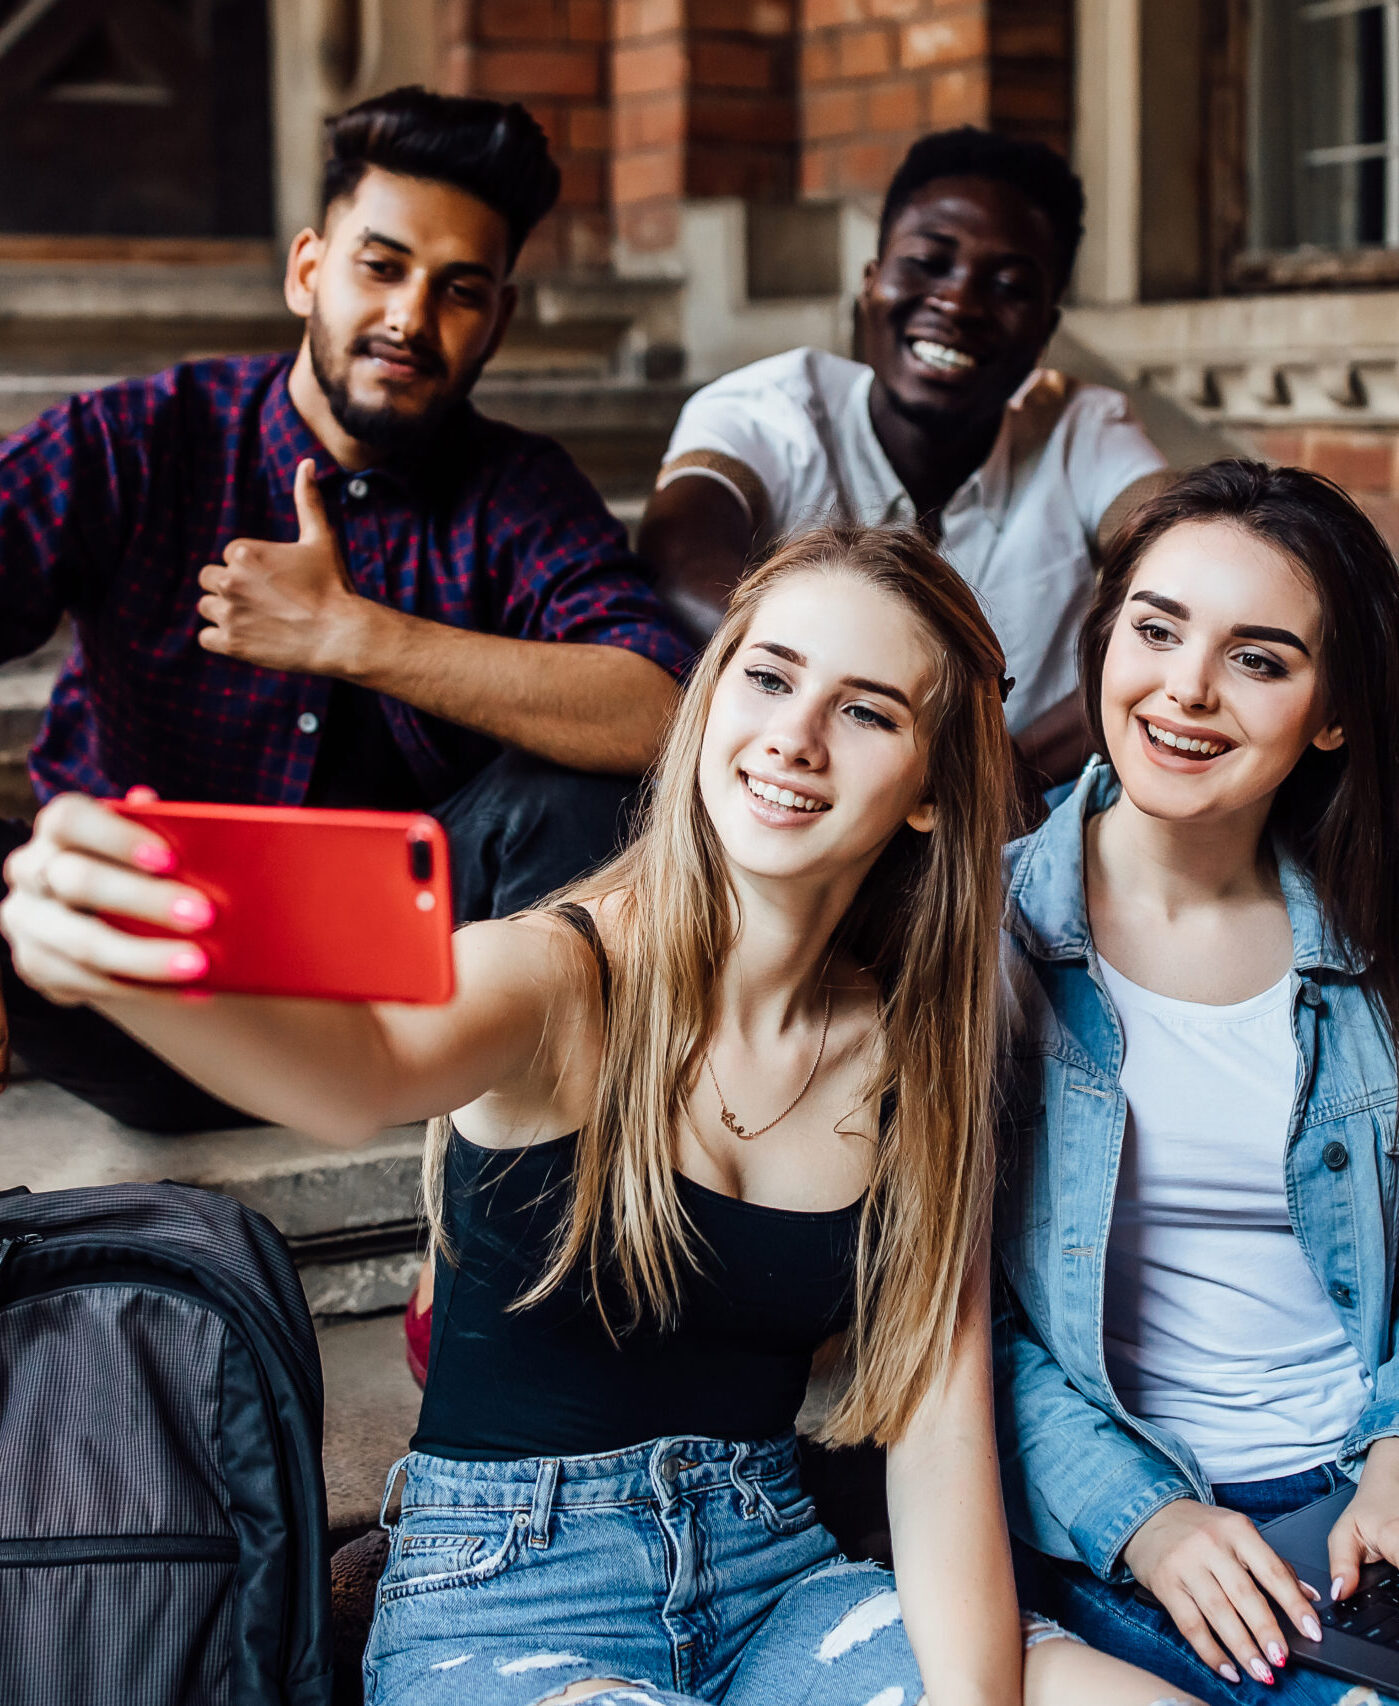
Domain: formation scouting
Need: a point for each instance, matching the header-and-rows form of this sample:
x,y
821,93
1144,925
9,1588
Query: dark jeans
x,y
519,829
1114,1619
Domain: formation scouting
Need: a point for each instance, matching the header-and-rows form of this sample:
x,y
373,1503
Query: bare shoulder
x,y
544,993
531,961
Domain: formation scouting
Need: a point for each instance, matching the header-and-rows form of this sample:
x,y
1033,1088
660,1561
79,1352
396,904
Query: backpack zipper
x,y
21,1241
118,1549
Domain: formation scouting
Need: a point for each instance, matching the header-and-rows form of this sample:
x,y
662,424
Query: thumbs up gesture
x,y
284,606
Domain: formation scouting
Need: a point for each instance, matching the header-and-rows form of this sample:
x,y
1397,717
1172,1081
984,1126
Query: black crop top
x,y
770,1285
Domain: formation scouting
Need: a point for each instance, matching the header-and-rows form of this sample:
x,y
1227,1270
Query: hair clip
x,y
1006,682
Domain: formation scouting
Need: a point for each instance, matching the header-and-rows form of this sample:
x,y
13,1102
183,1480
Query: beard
x,y
380,426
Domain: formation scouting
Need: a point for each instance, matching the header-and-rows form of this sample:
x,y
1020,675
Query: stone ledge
x,y
351,1215
1284,360
51,1141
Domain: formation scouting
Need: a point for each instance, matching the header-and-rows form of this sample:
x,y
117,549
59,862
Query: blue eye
x,y
766,680
868,718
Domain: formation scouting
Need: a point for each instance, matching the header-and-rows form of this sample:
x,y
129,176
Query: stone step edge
x,y
49,1140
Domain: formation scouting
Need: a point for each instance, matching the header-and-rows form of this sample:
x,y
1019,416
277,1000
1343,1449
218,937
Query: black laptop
x,y
1359,1635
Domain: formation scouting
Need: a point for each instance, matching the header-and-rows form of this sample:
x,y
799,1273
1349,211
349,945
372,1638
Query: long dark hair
x,y
1337,813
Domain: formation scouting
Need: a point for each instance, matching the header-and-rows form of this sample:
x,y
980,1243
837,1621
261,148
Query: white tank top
x,y
1214,1324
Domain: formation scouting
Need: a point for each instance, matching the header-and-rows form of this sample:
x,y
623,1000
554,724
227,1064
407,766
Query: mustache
x,y
422,353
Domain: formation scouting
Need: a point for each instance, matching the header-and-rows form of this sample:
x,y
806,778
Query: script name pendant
x,y
730,1119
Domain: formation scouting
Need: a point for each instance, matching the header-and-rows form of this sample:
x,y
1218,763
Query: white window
x,y
1324,125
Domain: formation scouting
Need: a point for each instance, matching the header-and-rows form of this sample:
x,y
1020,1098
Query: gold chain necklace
x,y
726,1113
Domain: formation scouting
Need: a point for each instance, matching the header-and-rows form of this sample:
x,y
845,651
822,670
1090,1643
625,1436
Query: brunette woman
x,y
723,1100
1199,1222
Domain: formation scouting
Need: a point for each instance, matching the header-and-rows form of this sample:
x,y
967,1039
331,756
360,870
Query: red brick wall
x,y
875,74
1364,460
648,102
554,56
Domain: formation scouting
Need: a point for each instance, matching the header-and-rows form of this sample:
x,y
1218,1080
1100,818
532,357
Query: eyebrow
x,y
456,269
378,238
1244,631
1007,257
883,688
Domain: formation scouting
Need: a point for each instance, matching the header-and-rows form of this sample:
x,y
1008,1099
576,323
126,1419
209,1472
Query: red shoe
x,y
417,1331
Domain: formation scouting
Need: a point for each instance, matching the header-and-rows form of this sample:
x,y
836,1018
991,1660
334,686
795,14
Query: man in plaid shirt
x,y
325,579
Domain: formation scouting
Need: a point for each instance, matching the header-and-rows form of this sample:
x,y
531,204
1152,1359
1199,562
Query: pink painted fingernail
x,y
1258,1669
1336,1587
151,856
1311,1628
193,910
1277,1653
188,962
1307,1588
1229,1674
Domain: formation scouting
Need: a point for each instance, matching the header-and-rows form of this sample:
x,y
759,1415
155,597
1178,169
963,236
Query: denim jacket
x,y
1080,1474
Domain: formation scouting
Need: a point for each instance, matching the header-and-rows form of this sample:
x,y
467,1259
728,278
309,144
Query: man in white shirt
x,y
1022,473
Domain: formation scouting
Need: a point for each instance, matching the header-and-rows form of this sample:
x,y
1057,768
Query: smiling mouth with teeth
x,y
1187,747
776,796
932,354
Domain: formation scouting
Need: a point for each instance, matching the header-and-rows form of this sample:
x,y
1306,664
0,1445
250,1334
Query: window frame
x,y
1231,71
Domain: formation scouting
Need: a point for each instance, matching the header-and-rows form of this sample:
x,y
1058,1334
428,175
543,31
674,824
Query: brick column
x,y
704,105
875,74
552,55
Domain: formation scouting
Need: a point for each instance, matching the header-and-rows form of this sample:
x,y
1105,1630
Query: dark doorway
x,y
137,118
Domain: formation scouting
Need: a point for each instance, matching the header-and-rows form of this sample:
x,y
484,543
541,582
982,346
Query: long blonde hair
x,y
924,924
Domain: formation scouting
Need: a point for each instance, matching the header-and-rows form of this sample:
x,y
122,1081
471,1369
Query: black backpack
x,y
162,1504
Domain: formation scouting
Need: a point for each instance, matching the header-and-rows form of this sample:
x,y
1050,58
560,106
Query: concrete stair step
x,y
371,1410
350,1216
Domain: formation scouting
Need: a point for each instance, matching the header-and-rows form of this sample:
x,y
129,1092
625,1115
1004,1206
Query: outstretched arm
x,y
341,1071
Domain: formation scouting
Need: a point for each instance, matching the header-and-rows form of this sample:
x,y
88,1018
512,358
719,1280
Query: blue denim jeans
x,y
691,1569
1114,1619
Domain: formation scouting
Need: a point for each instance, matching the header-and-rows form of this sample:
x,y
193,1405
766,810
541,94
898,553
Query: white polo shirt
x,y
1020,530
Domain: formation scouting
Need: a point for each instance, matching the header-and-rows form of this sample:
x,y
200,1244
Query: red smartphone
x,y
346,905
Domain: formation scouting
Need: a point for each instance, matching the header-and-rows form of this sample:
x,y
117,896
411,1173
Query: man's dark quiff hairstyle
x,y
494,152
1041,175
1336,813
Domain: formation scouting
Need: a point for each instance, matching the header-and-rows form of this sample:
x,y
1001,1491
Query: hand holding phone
x,y
255,900
345,905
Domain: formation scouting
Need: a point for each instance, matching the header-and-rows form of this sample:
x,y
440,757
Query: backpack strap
x,y
582,921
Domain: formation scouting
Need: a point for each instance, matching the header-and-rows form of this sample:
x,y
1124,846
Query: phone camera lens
x,y
420,859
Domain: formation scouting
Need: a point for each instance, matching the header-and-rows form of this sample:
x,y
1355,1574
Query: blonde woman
x,y
724,1099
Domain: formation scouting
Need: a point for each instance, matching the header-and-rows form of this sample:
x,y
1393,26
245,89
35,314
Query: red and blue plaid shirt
x,y
111,503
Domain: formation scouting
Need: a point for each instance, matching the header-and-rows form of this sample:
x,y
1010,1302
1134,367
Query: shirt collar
x,y
989,487
1047,909
287,440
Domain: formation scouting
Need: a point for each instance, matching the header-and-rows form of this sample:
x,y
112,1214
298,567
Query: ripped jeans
x,y
688,1569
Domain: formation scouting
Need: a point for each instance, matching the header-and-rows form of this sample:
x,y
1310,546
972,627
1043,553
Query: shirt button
x,y
1336,1156
358,488
308,722
1340,1293
1311,994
